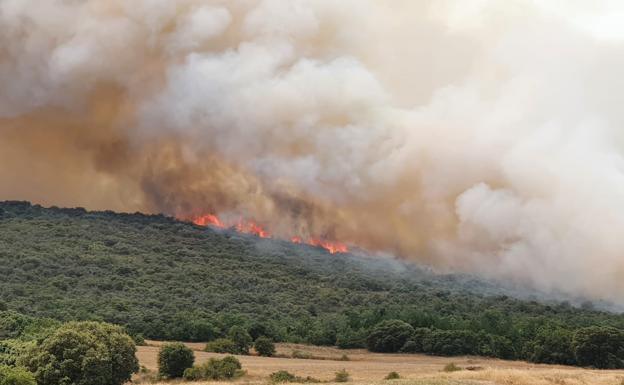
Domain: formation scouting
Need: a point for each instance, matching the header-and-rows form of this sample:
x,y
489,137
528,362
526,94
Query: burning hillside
x,y
472,136
251,227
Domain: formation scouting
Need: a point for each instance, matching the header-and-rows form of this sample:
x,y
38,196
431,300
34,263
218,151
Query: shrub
x,y
83,352
222,345
174,359
389,336
264,346
301,355
241,339
600,347
16,376
342,376
139,340
282,376
215,369
451,367
344,357
392,376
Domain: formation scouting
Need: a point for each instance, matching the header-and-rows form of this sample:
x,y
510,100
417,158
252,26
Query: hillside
x,y
167,279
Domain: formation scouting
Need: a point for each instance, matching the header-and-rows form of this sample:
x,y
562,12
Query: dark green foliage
x,y
600,347
416,340
222,345
174,359
553,346
452,343
351,339
83,353
241,338
264,347
389,336
16,376
170,280
215,369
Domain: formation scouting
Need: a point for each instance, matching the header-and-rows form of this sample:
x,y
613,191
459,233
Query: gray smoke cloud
x,y
477,136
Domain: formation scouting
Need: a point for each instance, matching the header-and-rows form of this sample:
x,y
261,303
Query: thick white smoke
x,y
484,136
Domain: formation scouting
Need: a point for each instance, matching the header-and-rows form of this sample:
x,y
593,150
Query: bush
x,y
451,367
392,376
342,376
282,376
83,353
241,339
222,345
600,347
389,336
16,376
174,359
215,369
264,346
301,355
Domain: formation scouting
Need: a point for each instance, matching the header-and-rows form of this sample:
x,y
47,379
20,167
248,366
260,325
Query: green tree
x,y
599,346
241,339
264,346
553,345
84,353
389,336
16,376
174,359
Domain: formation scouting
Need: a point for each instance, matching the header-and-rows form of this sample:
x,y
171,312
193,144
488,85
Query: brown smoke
x,y
481,136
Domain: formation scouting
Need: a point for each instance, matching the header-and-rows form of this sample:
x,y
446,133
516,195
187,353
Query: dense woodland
x,y
165,279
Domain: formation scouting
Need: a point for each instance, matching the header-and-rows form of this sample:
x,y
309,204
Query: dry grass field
x,y
415,369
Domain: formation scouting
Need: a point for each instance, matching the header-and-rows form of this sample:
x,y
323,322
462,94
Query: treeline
x,y
169,280
596,346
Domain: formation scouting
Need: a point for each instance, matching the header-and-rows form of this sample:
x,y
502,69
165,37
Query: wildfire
x,y
332,247
251,227
208,220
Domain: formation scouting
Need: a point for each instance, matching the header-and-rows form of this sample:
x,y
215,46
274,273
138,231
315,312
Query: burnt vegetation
x,y
164,279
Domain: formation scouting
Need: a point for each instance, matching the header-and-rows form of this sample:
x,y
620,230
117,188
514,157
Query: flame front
x,y
208,220
251,227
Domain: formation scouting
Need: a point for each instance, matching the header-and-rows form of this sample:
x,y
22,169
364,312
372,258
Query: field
x,y
415,369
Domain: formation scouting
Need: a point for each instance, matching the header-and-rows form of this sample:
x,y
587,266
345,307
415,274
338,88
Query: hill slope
x,y
169,279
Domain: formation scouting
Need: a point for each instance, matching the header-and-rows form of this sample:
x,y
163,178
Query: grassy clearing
x,y
367,368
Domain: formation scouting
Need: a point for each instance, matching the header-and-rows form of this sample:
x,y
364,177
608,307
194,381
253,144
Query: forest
x,y
160,278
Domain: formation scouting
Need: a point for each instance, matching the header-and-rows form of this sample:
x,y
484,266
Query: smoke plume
x,y
478,136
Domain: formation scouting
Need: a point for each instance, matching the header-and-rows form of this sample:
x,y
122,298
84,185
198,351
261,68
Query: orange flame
x,y
251,227
208,220
332,247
